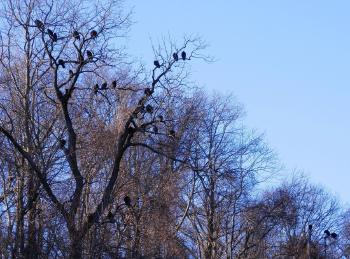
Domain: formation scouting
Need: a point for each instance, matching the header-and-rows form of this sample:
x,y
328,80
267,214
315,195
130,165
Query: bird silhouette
x,y
127,201
104,86
172,133
61,63
156,63
76,35
93,34
89,54
160,118
327,232
334,235
149,108
183,55
71,73
62,142
148,91
39,24
54,37
96,88
114,84
50,32
175,56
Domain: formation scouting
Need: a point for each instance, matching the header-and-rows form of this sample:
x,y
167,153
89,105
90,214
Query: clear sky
x,y
288,62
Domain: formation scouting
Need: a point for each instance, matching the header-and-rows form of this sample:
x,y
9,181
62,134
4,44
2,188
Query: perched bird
x,y
175,56
183,55
50,32
310,227
62,142
76,35
156,63
89,54
172,133
160,118
71,74
149,108
327,233
96,88
334,235
39,24
55,37
148,91
61,63
104,86
114,84
127,201
93,34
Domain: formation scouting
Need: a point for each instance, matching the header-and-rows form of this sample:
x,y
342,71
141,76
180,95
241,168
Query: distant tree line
x,y
101,159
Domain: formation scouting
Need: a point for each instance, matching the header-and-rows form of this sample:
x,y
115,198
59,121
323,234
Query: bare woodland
x,y
100,158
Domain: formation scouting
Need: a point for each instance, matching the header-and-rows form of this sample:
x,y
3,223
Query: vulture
x,y
183,55
148,91
61,63
149,108
93,34
114,84
327,233
39,24
175,56
96,88
89,54
76,35
104,86
156,63
127,201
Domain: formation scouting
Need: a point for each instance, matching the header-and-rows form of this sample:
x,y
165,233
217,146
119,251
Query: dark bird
x,y
96,88
327,233
93,34
160,118
155,129
310,227
104,86
172,133
148,91
61,63
55,37
39,24
334,235
149,108
62,142
89,54
50,32
71,74
76,35
156,63
127,201
114,84
175,56
183,55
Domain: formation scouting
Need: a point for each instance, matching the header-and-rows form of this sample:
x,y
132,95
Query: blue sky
x,y
288,62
